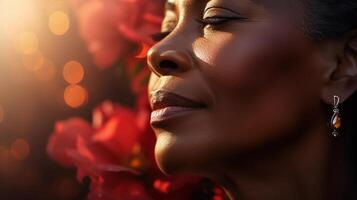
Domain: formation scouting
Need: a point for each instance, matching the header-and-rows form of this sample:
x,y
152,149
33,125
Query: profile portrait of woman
x,y
258,95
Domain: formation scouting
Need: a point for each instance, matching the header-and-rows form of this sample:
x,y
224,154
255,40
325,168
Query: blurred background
x,y
46,75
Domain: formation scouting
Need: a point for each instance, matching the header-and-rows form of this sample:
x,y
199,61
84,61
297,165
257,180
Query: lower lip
x,y
169,113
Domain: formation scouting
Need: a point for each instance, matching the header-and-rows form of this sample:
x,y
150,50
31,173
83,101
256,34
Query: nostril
x,y
165,62
168,65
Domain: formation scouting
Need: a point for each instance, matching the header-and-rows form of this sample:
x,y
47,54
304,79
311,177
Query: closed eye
x,y
218,20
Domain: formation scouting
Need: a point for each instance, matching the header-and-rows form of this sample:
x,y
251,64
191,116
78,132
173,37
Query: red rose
x,y
108,147
65,138
117,153
141,19
111,27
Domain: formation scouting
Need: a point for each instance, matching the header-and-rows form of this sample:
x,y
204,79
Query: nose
x,y
164,60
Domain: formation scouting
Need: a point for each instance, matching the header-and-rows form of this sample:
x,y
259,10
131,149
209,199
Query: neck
x,y
306,168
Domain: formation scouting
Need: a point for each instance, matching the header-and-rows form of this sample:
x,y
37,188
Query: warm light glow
x,y
75,96
15,15
27,43
58,23
47,72
33,61
20,149
2,113
73,72
135,163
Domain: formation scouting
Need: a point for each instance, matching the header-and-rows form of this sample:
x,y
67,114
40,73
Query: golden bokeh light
x,y
17,15
2,113
33,61
27,43
58,23
73,72
20,149
47,71
75,96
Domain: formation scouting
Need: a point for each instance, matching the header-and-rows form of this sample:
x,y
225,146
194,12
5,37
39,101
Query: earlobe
x,y
343,80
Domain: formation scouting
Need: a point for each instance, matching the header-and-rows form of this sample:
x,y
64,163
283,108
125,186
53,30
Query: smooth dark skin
x,y
263,134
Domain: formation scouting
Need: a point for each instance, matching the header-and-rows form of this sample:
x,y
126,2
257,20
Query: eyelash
x,y
216,20
211,21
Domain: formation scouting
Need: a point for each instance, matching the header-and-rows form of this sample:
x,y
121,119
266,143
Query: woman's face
x,y
230,78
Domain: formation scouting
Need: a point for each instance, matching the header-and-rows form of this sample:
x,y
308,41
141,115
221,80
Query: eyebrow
x,y
222,8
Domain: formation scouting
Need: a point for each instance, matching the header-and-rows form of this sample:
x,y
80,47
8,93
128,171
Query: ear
x,y
342,77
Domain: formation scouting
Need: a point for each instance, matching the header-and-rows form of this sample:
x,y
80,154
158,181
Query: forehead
x,y
181,5
289,9
277,4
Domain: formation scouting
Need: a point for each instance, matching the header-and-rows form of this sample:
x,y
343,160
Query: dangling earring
x,y
335,121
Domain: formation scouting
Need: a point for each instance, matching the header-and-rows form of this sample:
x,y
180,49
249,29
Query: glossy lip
x,y
167,105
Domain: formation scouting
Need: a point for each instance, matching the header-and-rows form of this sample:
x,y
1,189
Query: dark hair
x,y
326,19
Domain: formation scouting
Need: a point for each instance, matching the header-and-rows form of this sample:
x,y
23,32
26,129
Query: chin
x,y
168,155
190,153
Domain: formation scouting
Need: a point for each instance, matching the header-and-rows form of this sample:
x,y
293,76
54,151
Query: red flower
x,y
97,26
111,27
65,139
141,19
117,153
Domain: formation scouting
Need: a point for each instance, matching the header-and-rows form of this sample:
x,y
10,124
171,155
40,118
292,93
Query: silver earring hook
x,y
336,101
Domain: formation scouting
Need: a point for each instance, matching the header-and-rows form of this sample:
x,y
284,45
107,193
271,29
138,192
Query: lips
x,y
161,99
167,105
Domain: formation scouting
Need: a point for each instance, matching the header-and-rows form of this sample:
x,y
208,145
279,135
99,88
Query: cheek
x,y
253,57
153,80
264,83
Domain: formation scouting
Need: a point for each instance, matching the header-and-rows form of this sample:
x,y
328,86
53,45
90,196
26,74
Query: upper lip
x,y
161,99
